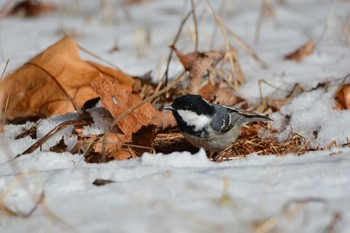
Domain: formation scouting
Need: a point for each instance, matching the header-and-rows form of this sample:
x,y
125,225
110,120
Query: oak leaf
x,y
343,97
117,100
304,50
57,81
197,63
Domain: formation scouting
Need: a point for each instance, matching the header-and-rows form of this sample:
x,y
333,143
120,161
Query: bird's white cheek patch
x,y
193,119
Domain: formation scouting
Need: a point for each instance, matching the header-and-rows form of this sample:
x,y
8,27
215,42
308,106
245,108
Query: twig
x,y
232,56
332,227
3,72
97,57
224,30
213,35
6,8
183,21
330,14
79,122
248,49
4,114
195,25
56,81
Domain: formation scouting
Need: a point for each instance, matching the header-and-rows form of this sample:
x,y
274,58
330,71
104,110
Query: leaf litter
x,y
58,81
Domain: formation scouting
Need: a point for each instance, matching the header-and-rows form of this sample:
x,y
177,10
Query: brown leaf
x,y
197,63
301,52
163,120
225,96
343,97
219,95
117,100
55,82
32,8
100,182
109,146
59,147
208,91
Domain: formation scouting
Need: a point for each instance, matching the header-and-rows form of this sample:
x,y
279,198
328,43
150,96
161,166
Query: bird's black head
x,y
194,103
192,113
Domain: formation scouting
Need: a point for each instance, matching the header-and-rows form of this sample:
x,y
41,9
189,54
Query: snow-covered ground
x,y
182,192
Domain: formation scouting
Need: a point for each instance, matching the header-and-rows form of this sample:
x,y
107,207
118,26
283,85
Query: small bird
x,y
213,127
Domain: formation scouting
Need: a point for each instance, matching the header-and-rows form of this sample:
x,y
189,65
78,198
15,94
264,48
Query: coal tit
x,y
210,126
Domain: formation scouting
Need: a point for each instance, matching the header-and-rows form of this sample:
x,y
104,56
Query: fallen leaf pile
x,y
58,81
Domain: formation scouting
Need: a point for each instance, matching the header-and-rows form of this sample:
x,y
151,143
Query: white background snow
x,y
183,192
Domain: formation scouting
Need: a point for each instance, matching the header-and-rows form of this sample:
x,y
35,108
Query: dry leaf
x,y
118,100
225,96
59,147
208,91
55,82
343,97
163,120
301,52
197,63
100,182
32,8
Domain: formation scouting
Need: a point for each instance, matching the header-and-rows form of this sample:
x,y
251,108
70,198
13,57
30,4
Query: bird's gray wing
x,y
243,116
222,120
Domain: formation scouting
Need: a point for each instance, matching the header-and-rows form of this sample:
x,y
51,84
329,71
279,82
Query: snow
x,y
181,192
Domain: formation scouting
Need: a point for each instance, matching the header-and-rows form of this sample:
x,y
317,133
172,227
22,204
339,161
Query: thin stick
x,y
79,122
248,49
195,25
58,84
97,57
183,21
224,30
260,19
8,96
3,72
213,35
330,14
230,53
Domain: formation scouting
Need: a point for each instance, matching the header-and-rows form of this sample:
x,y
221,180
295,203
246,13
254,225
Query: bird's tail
x,y
248,116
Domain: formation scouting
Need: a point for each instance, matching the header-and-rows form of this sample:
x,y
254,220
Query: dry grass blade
x,y
249,142
230,51
266,10
224,29
97,57
4,70
332,227
195,25
183,21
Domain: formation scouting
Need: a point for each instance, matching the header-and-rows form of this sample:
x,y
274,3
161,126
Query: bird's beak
x,y
168,107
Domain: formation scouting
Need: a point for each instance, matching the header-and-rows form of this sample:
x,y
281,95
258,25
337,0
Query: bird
x,y
213,127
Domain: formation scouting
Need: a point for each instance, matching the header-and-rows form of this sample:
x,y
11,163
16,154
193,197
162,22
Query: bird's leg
x,y
218,157
212,155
